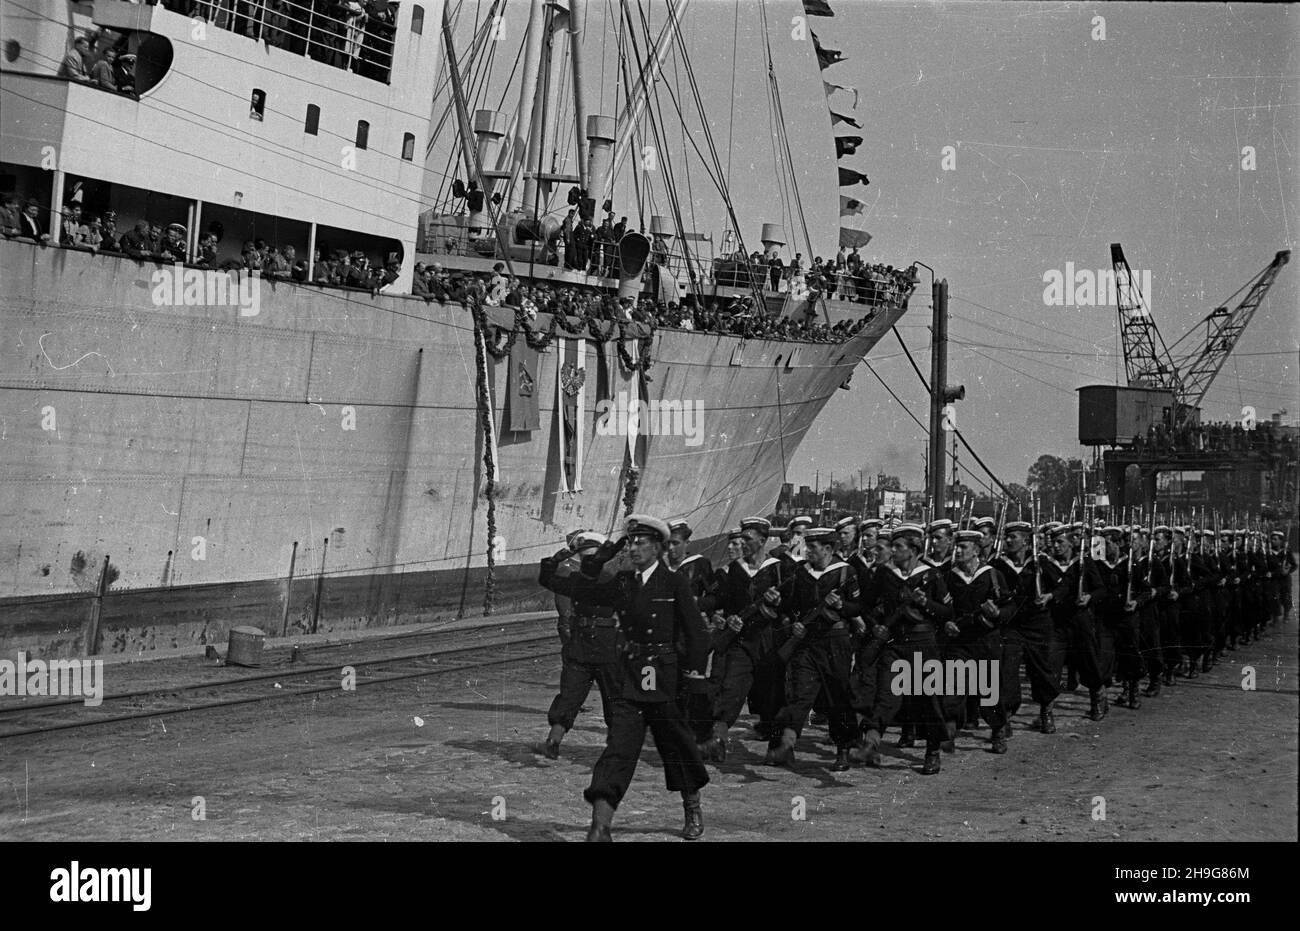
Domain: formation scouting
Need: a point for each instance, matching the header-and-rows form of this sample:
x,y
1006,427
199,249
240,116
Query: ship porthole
x,y
13,48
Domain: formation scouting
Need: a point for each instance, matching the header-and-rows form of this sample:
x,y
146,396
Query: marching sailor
x,y
822,606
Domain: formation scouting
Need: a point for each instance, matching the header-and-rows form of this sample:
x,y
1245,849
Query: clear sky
x,y
1064,143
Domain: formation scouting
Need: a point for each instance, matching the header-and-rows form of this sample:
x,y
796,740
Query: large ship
x,y
189,446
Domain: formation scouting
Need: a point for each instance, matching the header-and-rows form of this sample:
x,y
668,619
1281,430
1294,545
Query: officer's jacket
x,y
809,591
652,617
969,592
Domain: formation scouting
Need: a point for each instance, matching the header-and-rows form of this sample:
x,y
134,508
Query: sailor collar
x,y
1066,566
1110,565
690,558
744,564
957,571
921,567
1013,567
817,574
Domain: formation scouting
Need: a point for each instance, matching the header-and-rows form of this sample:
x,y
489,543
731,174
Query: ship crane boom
x,y
1200,362
1147,362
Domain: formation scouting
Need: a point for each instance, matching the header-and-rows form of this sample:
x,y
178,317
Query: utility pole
x,y
938,379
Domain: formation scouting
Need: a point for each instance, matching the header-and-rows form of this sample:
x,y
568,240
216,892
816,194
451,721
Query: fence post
x,y
288,591
320,584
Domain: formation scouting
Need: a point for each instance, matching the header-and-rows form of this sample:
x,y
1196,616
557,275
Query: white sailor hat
x,y
1059,530
680,528
1277,533
969,536
1018,526
645,525
801,523
761,524
843,522
586,539
820,535
984,522
1050,527
736,534
572,539
871,523
936,525
1112,531
906,530
1164,528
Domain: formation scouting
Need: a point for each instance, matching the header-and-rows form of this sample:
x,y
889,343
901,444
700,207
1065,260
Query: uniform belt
x,y
637,648
585,621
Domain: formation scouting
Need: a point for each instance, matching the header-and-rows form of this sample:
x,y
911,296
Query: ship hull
x,y
204,453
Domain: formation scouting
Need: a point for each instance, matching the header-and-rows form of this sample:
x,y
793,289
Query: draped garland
x,y
630,488
489,462
500,342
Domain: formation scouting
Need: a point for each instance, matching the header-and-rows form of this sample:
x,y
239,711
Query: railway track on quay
x,y
307,670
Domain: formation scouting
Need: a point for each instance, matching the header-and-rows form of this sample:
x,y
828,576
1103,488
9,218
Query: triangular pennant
x,y
825,56
851,207
841,118
846,145
849,177
817,8
832,88
853,239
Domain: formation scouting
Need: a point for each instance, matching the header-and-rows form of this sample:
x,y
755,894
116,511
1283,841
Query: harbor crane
x,y
1188,372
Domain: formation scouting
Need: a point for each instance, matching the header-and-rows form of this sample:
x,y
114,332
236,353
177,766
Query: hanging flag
x,y
841,118
846,145
523,387
849,177
853,239
832,88
825,56
817,8
851,207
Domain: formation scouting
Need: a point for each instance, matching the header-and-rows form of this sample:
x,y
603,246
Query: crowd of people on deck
x,y
100,59
78,228
1190,438
735,317
355,35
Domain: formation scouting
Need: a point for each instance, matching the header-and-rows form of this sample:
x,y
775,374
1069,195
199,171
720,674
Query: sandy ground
x,y
438,758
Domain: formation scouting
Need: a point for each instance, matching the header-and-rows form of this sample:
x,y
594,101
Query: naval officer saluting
x,y
656,608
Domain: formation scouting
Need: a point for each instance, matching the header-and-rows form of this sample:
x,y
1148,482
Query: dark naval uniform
x,y
751,665
820,661
978,638
1028,636
912,630
697,696
589,633
1089,646
656,609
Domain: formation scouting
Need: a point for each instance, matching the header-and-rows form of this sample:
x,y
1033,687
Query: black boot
x,y
842,762
931,766
1134,702
693,829
1153,687
1098,705
908,737
1000,740
602,816
781,753
1207,663
1192,671
867,750
1046,723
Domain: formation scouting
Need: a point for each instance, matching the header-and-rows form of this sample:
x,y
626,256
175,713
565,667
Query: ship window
x,y
363,134
417,20
408,146
257,104
312,123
